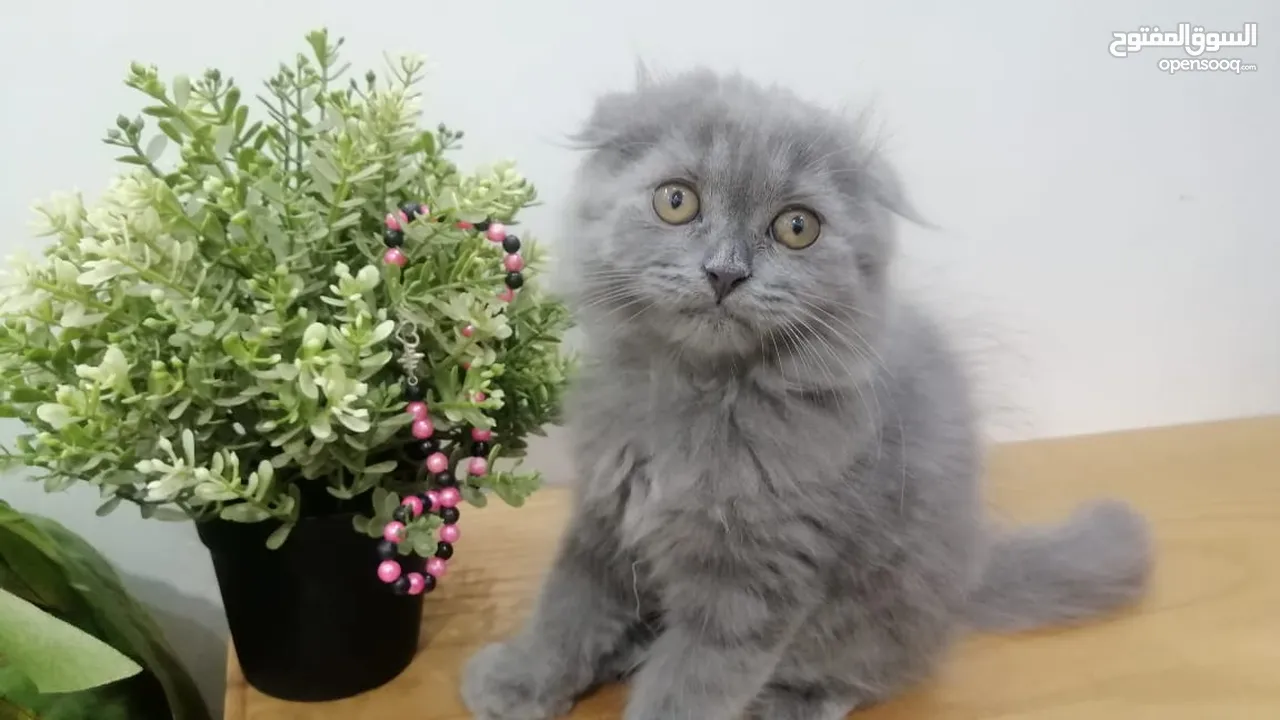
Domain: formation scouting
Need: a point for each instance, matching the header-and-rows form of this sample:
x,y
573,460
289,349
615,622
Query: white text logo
x,y
1193,40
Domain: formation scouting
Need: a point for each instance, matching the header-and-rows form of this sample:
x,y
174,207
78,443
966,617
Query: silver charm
x,y
410,357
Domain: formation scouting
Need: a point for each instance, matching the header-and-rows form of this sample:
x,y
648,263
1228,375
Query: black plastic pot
x,y
311,621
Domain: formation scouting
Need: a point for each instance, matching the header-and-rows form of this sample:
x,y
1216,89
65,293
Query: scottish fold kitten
x,y
777,506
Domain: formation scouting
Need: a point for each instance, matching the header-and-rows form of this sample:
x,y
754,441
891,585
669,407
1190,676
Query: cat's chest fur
x,y
664,451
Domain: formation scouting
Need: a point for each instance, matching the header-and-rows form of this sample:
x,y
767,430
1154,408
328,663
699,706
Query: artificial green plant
x,y
215,335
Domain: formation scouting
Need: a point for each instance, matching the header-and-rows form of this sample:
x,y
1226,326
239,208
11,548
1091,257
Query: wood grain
x,y
1204,646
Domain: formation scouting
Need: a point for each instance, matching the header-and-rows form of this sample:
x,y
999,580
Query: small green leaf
x,y
181,91
226,135
108,507
320,427
353,423
390,502
424,543
189,447
325,169
58,416
170,130
232,98
160,111
376,361
473,496
215,492
244,513
156,146
382,468
26,395
180,408
278,536
169,514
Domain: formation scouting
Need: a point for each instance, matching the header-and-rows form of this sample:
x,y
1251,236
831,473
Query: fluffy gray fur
x,y
777,505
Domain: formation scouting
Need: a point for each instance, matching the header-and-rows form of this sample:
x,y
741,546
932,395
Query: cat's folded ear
x,y
615,117
644,75
886,188
607,123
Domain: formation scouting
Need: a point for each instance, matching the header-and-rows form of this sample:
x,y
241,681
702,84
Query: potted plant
x,y
74,645
303,328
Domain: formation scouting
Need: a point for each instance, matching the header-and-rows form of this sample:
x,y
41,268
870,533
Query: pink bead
x,y
414,503
450,497
507,295
436,567
423,210
437,463
417,583
434,497
513,263
393,532
450,533
463,225
497,232
393,256
481,434
389,571
404,219
418,409
392,222
468,331
466,365
423,429
480,397
478,466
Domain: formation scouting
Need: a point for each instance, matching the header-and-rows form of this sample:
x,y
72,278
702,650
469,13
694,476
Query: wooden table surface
x,y
1204,646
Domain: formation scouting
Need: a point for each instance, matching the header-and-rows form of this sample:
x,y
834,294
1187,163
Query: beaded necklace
x,y
443,497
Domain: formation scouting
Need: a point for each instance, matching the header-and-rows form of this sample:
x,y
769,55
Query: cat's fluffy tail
x,y
1096,561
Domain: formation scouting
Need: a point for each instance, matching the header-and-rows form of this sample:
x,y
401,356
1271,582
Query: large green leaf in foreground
x,y
55,656
54,569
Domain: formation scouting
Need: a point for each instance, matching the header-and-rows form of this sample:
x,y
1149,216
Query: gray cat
x,y
777,511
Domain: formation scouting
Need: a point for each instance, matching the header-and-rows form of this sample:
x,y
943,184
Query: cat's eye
x,y
676,203
797,228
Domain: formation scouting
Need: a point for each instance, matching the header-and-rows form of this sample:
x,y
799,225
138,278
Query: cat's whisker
x,y
864,344
608,274
828,301
611,296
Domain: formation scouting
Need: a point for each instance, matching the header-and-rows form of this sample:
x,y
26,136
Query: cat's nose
x,y
725,279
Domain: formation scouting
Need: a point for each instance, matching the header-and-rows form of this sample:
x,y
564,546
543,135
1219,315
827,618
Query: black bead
x,y
482,225
428,582
410,210
402,514
392,238
480,449
444,551
413,392
417,450
446,479
515,280
511,244
387,550
401,585
449,515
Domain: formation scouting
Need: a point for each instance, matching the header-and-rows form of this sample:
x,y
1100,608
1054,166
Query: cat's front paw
x,y
501,682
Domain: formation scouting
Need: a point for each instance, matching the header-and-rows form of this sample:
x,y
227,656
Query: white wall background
x,y
1106,241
